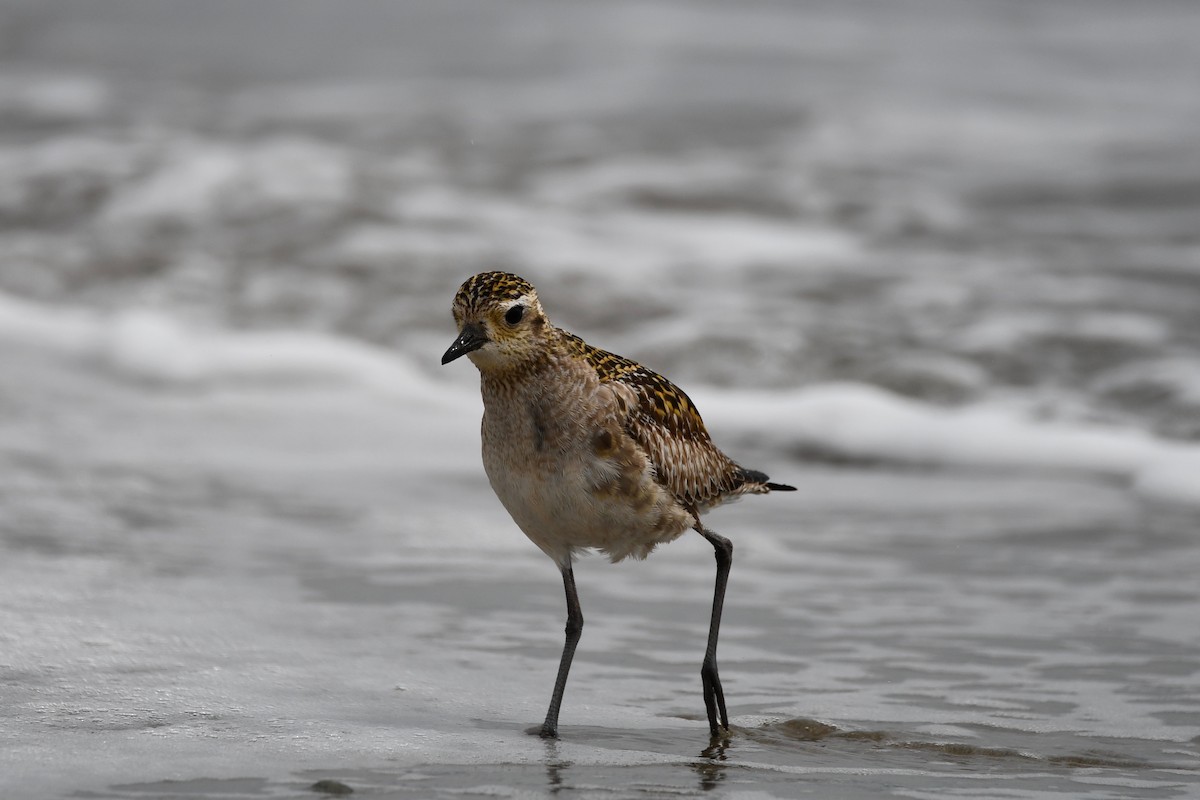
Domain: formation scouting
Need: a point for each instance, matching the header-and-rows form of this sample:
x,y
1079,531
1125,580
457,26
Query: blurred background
x,y
956,202
935,262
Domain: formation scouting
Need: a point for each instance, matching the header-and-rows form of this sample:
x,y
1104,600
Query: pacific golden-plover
x,y
587,449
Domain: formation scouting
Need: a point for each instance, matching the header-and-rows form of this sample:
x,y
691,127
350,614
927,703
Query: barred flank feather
x,y
668,426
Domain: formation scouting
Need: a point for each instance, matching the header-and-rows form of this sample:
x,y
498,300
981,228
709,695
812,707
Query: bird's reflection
x,y
711,766
555,767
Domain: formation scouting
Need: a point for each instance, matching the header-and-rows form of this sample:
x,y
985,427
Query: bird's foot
x,y
545,731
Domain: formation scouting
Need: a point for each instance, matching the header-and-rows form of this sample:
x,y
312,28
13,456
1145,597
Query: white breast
x,y
540,457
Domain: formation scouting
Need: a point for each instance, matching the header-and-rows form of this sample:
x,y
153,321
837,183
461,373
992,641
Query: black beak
x,y
471,338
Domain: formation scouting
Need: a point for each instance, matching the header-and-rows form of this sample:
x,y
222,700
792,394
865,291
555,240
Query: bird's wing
x,y
664,422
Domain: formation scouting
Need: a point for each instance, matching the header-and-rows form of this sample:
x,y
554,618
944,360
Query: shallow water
x,y
246,545
239,594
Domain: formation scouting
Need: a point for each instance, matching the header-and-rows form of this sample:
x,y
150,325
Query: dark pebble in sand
x,y
331,787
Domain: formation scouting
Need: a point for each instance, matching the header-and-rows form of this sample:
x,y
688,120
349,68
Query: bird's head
x,y
501,324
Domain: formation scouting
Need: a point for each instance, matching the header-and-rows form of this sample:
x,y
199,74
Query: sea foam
x,y
864,422
843,420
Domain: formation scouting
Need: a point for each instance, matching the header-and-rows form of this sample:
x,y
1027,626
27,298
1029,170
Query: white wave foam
x,y
1006,332
861,421
55,98
199,179
625,245
851,420
148,345
68,331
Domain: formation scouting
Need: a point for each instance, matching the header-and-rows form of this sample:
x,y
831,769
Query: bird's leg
x,y
574,629
714,696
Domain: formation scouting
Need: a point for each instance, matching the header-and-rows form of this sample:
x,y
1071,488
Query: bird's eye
x,y
514,314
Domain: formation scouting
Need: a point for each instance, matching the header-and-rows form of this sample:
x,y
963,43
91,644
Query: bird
x,y
591,451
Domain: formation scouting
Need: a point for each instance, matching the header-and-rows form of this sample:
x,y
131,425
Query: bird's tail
x,y
754,476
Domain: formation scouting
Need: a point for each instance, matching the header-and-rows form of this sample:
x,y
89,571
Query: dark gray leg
x,y
714,695
574,630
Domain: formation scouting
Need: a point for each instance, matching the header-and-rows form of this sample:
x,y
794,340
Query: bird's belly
x,y
577,500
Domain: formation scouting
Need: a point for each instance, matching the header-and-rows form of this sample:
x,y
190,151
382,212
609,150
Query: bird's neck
x,y
515,373
533,366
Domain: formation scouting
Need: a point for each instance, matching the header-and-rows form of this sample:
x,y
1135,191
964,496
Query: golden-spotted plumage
x,y
590,450
666,424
